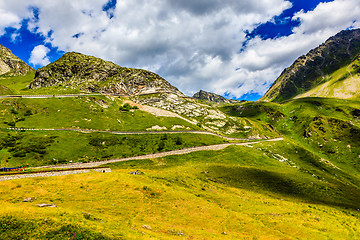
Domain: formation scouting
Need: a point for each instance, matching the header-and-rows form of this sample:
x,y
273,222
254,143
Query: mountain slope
x,y
313,69
329,128
11,64
92,74
343,83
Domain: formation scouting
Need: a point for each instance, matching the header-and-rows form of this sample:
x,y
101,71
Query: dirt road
x,y
158,155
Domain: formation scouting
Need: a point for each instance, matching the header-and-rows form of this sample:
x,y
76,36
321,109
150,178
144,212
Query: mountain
x,y
91,74
11,64
298,184
332,68
211,97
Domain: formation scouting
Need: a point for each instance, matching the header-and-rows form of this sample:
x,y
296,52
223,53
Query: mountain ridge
x,y
92,74
11,64
212,97
312,69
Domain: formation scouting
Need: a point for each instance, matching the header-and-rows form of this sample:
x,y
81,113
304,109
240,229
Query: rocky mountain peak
x,y
11,64
92,74
211,97
310,70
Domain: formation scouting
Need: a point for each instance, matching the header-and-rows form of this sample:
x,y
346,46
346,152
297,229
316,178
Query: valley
x,y
202,167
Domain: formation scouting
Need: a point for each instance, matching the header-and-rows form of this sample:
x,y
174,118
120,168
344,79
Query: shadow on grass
x,y
288,185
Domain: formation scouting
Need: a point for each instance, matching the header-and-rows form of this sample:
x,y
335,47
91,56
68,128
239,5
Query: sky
x,y
233,48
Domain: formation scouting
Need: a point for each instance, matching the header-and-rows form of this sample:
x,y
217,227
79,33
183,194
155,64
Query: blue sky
x,y
233,48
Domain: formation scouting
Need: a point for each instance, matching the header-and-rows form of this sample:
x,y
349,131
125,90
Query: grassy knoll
x,y
19,85
98,112
248,193
4,90
58,147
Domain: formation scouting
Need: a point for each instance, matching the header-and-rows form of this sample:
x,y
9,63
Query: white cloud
x,y
8,19
193,44
332,16
263,60
184,41
39,56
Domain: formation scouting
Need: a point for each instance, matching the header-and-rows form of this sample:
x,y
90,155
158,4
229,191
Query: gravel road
x,y
159,155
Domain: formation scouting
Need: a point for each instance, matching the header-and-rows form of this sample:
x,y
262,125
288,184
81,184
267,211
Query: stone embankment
x,y
49,96
51,173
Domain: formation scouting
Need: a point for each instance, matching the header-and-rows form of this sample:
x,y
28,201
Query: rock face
x,y
11,65
312,69
92,74
211,97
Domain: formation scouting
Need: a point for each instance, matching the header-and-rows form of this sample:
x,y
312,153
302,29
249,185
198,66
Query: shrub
x,y
126,107
28,113
179,141
161,146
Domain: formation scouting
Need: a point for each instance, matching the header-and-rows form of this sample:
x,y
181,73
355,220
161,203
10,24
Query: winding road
x,y
215,147
75,168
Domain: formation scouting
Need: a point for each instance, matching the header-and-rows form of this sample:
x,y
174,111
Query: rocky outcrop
x,y
211,97
310,70
91,74
11,65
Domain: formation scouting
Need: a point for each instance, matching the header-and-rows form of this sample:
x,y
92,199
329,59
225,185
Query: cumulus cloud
x,y
264,60
39,56
193,44
184,41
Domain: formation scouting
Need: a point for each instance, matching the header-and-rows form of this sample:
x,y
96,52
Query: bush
x,y
28,113
10,124
126,107
161,146
13,111
179,141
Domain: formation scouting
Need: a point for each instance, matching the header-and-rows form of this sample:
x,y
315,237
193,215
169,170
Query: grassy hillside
x,y
98,112
20,85
59,147
311,70
236,193
343,83
330,128
17,84
4,90
305,187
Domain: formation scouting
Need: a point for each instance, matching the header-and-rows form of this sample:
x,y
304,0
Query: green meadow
x,y
304,187
58,147
241,192
97,112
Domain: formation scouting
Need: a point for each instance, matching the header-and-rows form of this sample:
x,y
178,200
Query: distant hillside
x,y
211,97
91,74
343,83
330,70
12,65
